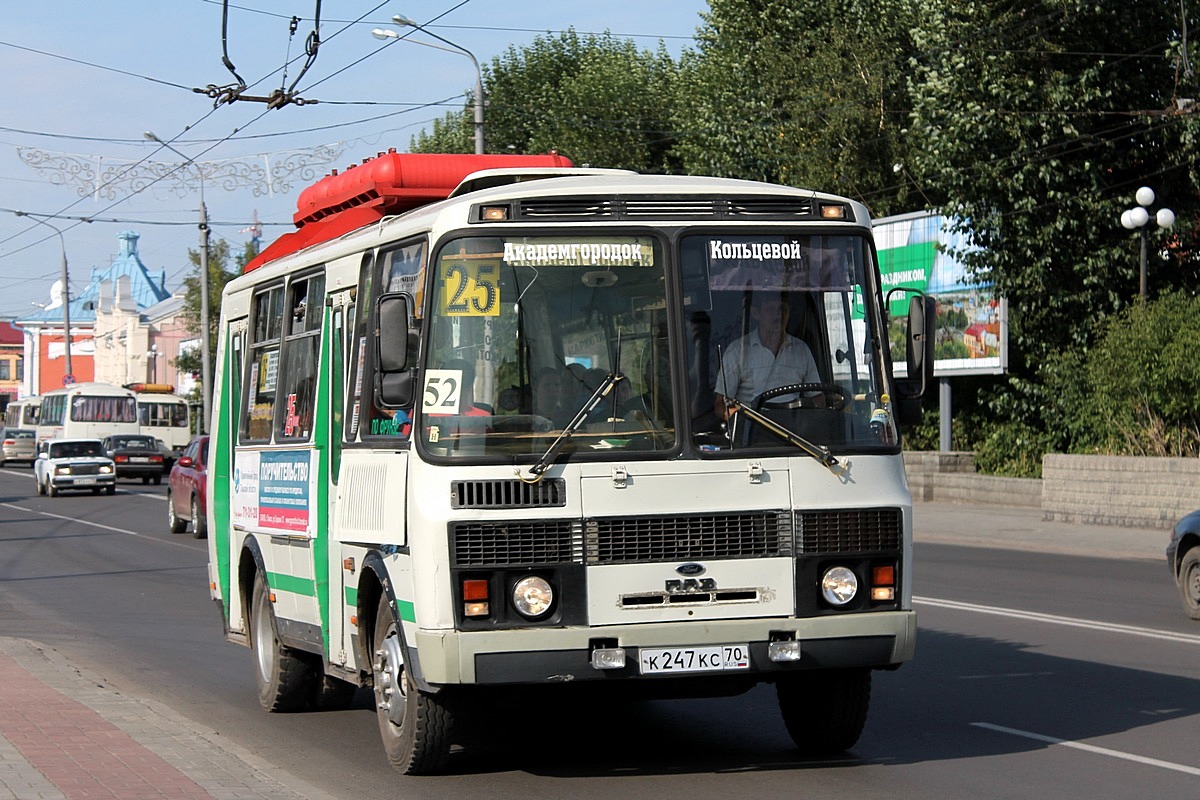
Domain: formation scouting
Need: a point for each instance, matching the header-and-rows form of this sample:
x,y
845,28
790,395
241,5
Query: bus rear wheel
x,y
825,710
283,678
415,726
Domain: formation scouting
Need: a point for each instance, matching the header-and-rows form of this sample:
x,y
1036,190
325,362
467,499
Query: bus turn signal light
x,y
475,597
883,583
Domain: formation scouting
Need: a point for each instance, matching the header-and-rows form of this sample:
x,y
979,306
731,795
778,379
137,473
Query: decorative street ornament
x,y
107,178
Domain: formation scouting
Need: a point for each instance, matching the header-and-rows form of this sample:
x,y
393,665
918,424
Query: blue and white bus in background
x,y
163,415
87,411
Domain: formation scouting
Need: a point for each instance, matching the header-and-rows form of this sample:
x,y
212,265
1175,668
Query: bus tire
x,y
332,694
282,677
199,523
415,726
825,710
177,525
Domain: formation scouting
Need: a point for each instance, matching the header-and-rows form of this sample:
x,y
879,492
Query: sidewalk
x,y
1007,527
66,735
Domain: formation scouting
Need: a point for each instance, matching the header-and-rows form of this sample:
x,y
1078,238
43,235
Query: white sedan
x,y
77,464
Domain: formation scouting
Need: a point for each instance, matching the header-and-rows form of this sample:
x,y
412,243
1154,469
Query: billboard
x,y
917,252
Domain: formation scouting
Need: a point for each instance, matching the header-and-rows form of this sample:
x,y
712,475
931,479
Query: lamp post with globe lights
x,y
1138,217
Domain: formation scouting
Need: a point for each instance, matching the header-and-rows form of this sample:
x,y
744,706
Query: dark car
x,y
185,489
1183,556
136,456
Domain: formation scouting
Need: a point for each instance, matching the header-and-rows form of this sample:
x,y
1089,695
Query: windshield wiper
x,y
819,452
590,405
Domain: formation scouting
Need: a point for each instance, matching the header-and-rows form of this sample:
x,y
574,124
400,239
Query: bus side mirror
x,y
919,356
393,380
922,318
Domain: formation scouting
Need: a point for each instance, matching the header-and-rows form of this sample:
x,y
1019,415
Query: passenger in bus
x,y
548,399
767,357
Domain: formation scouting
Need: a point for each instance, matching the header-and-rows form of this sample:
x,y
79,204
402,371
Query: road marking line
x,y
125,531
69,519
1074,622
1104,751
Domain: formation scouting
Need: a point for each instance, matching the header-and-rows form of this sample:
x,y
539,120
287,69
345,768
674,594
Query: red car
x,y
185,489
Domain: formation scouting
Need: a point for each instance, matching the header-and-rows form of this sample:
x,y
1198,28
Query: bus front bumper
x,y
559,655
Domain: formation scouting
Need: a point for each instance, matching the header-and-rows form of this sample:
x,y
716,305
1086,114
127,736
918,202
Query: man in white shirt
x,y
766,357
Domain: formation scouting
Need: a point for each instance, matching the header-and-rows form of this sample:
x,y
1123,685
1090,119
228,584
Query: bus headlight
x,y
839,585
532,597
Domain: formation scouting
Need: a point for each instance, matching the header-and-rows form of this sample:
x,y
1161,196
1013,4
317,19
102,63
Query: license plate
x,y
84,481
716,658
139,459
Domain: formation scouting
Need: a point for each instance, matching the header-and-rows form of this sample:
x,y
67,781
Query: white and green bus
x,y
478,429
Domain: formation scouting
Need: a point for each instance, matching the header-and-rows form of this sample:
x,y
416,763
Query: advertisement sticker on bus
x,y
272,490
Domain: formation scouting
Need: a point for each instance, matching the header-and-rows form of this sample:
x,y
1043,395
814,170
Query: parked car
x,y
19,444
136,456
1183,557
74,464
186,484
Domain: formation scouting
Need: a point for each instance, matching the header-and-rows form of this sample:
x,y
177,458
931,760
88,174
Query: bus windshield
x,y
776,324
534,336
525,330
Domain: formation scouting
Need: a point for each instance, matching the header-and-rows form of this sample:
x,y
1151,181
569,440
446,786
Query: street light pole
x,y
205,359
400,19
1137,218
68,374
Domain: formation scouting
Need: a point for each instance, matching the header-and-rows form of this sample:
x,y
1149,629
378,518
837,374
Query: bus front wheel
x,y
283,678
415,726
825,710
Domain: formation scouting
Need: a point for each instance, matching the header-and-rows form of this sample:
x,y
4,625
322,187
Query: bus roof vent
x,y
508,493
667,207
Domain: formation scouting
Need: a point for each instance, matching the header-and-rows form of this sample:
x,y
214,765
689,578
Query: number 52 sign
x,y
469,289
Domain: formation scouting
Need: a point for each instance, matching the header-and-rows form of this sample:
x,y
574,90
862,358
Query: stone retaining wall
x,y
1120,490
1101,490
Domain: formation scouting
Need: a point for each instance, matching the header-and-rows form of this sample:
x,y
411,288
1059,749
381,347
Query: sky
x,y
86,80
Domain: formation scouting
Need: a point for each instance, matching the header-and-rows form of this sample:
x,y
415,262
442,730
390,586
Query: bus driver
x,y
766,357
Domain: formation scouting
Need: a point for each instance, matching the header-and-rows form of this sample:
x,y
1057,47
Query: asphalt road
x,y
1050,663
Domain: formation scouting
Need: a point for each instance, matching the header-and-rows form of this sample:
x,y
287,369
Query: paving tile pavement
x,y
68,735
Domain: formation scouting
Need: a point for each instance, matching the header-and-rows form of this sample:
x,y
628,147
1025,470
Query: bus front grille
x,y
508,493
622,540
525,543
859,530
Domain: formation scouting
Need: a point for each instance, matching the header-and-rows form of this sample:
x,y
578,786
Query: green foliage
x,y
1138,389
219,273
801,92
595,99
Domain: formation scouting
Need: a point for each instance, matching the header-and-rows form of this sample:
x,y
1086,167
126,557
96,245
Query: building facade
x,y
126,327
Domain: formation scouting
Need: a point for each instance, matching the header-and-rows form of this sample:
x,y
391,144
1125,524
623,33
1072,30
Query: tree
x,y
801,92
1037,123
596,99
219,274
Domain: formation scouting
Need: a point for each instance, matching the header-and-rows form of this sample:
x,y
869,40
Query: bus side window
x,y
297,393
258,411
